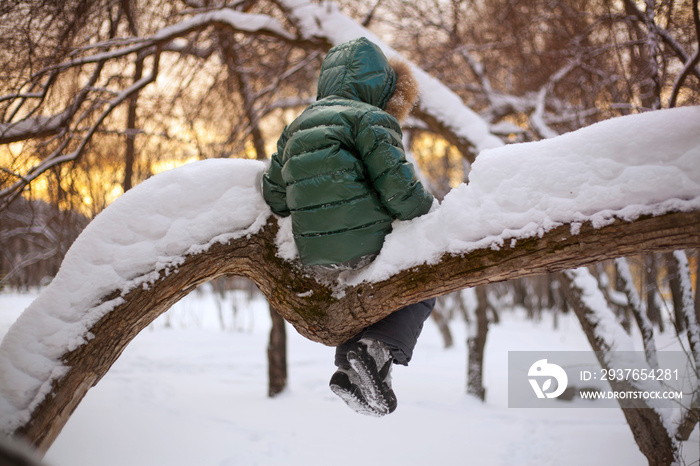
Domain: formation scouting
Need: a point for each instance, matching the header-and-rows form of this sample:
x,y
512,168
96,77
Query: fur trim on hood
x,y
405,95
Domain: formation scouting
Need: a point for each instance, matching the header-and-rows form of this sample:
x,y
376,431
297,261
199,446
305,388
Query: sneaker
x,y
346,384
372,361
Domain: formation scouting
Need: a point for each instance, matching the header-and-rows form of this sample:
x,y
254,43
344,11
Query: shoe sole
x,y
355,403
379,399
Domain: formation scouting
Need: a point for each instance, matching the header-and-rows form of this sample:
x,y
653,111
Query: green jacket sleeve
x,y
379,145
274,187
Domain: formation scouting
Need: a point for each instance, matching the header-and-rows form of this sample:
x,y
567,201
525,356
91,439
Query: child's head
x,y
359,70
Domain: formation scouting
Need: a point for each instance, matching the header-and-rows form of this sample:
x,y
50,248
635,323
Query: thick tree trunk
x,y
323,314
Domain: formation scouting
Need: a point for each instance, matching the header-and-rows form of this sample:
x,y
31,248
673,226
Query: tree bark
x,y
674,285
476,344
697,285
319,312
130,151
442,324
277,355
651,288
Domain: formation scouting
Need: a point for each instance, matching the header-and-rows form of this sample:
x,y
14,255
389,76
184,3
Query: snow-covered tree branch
x,y
169,234
116,90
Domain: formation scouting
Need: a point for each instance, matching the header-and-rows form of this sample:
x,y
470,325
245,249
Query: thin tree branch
x,y
7,195
691,63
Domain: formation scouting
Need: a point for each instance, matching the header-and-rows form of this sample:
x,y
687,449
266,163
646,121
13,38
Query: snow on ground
x,y
195,394
147,230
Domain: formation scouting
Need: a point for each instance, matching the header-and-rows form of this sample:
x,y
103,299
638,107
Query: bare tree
x,y
476,343
66,95
74,82
656,432
555,67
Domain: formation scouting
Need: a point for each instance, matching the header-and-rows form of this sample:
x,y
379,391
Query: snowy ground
x,y
195,394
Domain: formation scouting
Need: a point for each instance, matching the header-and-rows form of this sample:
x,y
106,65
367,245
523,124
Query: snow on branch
x,y
244,22
688,306
594,174
147,230
31,127
638,310
607,330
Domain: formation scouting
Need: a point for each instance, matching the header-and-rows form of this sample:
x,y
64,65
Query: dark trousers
x,y
399,331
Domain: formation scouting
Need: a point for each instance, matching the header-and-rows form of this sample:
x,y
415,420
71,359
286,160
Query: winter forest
x,y
154,311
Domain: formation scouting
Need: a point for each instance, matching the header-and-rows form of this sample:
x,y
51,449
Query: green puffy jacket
x,y
340,169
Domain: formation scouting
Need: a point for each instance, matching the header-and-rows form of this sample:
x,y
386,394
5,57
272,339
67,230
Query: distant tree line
x,y
34,237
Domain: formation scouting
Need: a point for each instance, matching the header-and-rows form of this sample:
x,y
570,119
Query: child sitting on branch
x,y
340,171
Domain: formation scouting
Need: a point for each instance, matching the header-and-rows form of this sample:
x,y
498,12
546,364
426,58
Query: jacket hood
x,y
357,70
